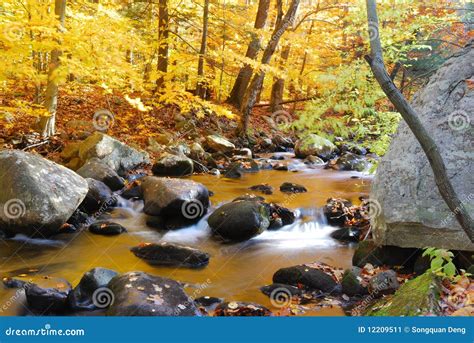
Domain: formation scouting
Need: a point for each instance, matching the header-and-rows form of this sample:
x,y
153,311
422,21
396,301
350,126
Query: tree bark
x,y
243,78
257,81
163,48
278,86
427,143
47,124
201,87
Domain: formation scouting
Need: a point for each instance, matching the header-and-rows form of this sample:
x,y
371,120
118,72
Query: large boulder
x,y
239,220
98,196
306,276
37,196
412,212
176,200
142,294
314,145
219,144
110,151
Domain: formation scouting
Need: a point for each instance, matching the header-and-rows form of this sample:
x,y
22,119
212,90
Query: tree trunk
x,y
279,84
163,47
201,87
243,78
47,124
427,143
257,81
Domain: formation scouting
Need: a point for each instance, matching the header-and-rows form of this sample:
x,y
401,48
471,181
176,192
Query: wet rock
x,y
49,297
307,276
314,145
350,161
289,187
133,192
197,151
351,147
384,283
280,166
277,157
37,196
236,169
169,254
346,235
336,211
99,171
173,165
78,219
142,294
280,216
282,143
313,161
82,297
99,195
265,188
107,229
239,220
175,199
351,282
219,144
117,155
241,309
10,282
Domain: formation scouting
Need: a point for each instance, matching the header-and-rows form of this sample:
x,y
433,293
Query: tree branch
x,y
427,143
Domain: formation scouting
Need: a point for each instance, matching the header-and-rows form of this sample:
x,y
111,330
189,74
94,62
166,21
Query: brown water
x,y
235,272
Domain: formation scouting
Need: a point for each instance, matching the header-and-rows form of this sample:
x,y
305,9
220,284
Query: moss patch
x,y
416,297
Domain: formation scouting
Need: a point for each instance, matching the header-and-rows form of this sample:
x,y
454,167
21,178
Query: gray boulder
x,y
37,196
142,294
117,155
314,145
412,213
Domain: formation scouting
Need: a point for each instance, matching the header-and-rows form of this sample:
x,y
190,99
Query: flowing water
x,y
235,272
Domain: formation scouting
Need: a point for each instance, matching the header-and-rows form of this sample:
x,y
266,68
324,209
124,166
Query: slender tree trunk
x,y
47,124
427,143
278,86
201,87
257,81
245,74
163,47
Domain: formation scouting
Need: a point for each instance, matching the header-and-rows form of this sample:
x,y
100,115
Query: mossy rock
x,y
416,297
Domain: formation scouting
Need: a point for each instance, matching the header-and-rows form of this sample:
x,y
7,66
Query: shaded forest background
x,y
243,67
